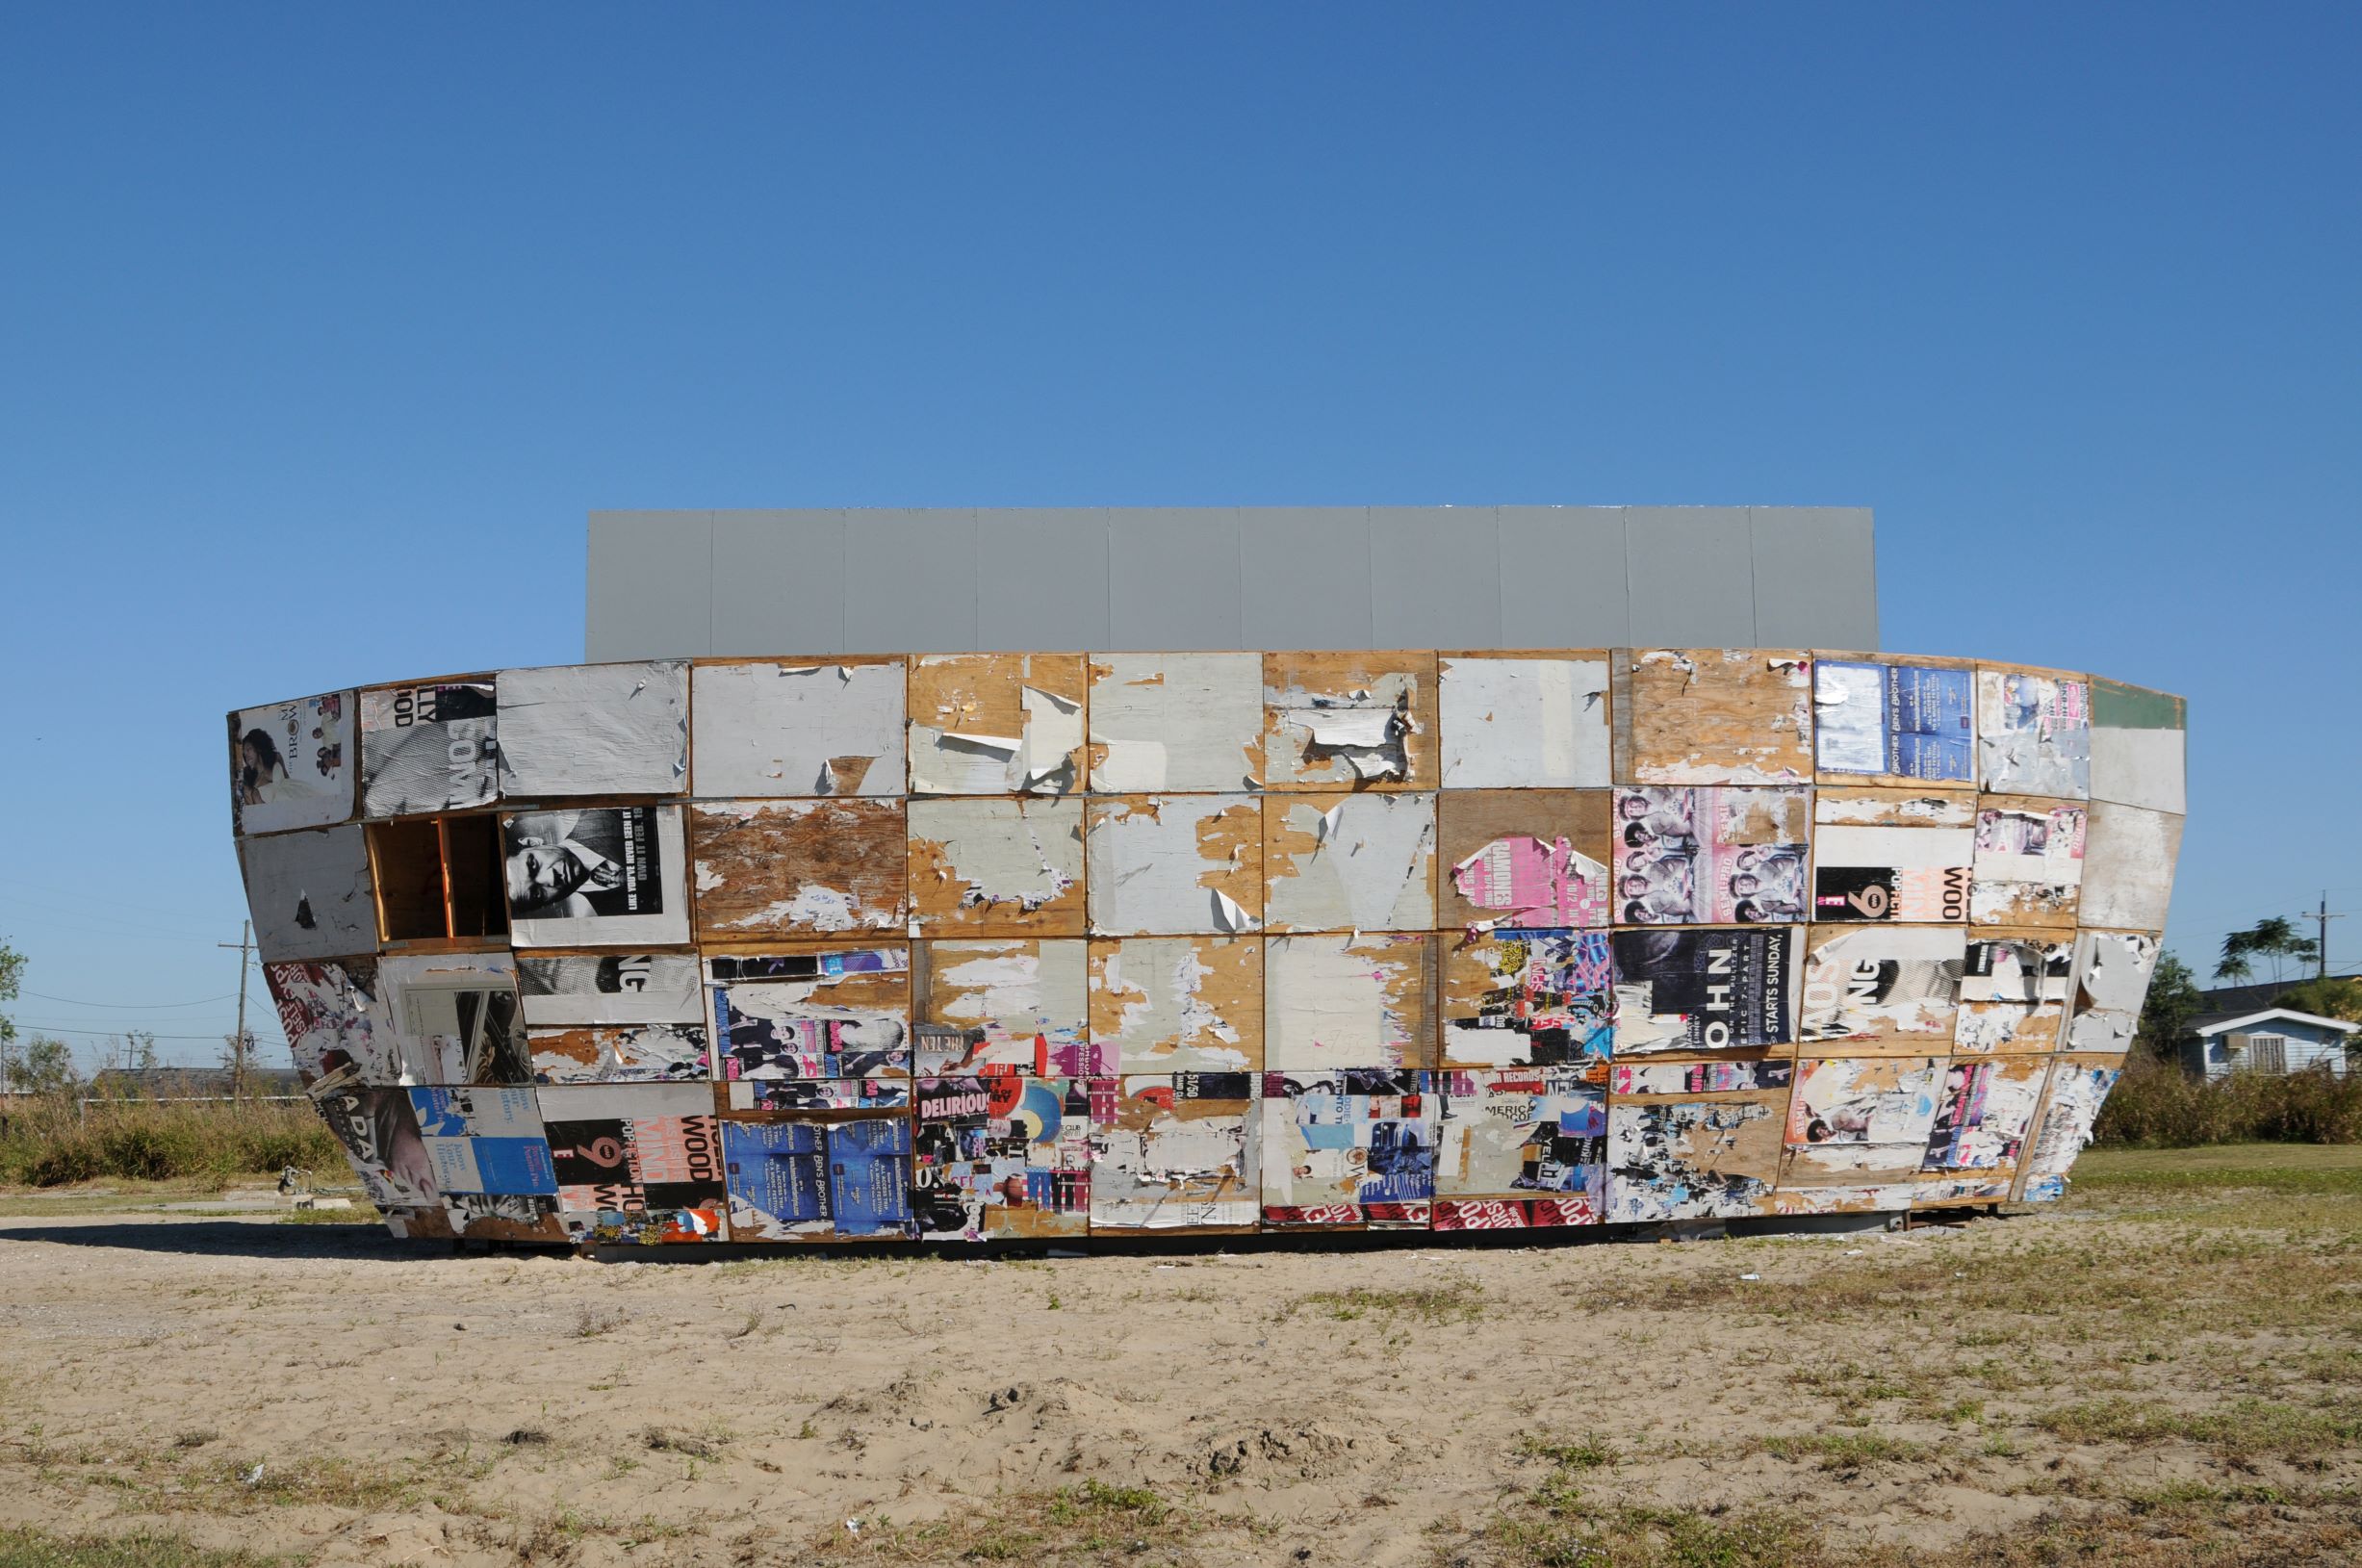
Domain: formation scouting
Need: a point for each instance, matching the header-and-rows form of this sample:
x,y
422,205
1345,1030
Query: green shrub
x,y
2157,1105
51,1141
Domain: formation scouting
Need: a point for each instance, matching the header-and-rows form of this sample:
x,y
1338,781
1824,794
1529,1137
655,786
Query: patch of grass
x,y
1459,1299
1640,1538
2328,1169
589,1322
1579,1453
1091,1523
2242,1428
1845,1450
38,1549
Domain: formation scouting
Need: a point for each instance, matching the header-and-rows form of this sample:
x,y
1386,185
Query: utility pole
x,y
2321,956
240,1047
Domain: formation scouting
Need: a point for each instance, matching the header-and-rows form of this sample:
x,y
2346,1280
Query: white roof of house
x,y
2245,1019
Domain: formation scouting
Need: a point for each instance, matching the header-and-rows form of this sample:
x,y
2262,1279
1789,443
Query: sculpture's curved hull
x,y
988,945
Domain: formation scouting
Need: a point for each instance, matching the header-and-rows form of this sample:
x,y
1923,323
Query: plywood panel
x,y
1881,989
595,730
1179,1154
453,1018
561,989
1713,715
1710,856
1520,1147
1177,864
2128,866
1349,863
1521,997
1179,1004
2112,976
2034,734
1693,1159
1705,989
1347,1148
2079,1087
1181,722
293,764
1529,857
1864,1101
598,876
1014,1005
2028,864
620,1053
828,1014
785,867
428,748
997,723
1006,1158
2013,992
845,1178
310,893
825,729
997,866
1982,1115
1332,1002
1523,720
1349,721
2136,747
1909,875
637,1163
1893,721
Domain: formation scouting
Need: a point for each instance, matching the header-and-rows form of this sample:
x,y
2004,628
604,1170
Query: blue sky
x,y
321,327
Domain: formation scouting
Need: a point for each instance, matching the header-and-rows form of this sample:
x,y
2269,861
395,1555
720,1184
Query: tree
x,y
45,1067
2272,937
2325,999
11,971
2174,999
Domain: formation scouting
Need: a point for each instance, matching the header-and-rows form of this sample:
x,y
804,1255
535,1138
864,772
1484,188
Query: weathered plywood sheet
x,y
829,1015
2079,1087
2136,747
1349,863
1006,1158
637,1163
1982,1113
1349,721
1911,875
1521,1136
2112,975
527,1217
1181,722
997,723
1522,857
1006,1006
595,730
996,866
485,1141
1881,989
292,765
1943,1188
620,1053
783,867
1177,864
1178,1155
2034,734
1710,856
2128,866
1853,805
560,988
1713,715
802,1181
1791,1200
1693,1080
430,748
1866,1101
1333,1002
1693,1159
1178,1004
822,729
310,893
330,1016
1347,1148
2013,993
454,1017
1523,720
1525,997
2028,866
1705,989
1874,720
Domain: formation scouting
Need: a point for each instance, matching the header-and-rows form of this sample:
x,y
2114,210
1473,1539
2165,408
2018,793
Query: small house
x,y
2273,1039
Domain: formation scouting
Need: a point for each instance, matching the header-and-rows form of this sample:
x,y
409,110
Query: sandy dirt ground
x,y
1937,1394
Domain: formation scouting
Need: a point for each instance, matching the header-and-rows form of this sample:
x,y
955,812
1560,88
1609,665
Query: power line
x,y
133,1006
108,1034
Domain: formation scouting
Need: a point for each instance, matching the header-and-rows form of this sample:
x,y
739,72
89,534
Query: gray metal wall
x,y
956,580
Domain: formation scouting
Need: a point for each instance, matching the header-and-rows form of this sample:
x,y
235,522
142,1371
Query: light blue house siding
x,y
2286,1043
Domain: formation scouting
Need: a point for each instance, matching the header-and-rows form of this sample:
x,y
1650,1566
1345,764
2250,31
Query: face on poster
x,y
595,877
1710,855
290,764
428,748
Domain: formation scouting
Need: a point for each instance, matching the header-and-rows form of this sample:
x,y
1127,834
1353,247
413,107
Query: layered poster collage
x,y
1007,946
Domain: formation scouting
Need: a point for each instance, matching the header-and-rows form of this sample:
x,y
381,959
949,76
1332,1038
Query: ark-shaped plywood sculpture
x,y
984,947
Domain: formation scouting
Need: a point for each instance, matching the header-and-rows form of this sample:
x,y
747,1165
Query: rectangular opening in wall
x,y
406,858
471,862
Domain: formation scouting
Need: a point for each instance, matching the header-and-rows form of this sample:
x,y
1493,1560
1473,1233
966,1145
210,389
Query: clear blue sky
x,y
321,327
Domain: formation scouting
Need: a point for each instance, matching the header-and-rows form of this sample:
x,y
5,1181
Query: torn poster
x,y
1917,875
794,1181
620,1053
1692,1078
1519,996
1982,1113
997,723
595,730
1912,721
603,876
1176,866
1339,721
1349,863
817,1094
2112,975
484,1141
845,1015
1865,1100
1883,984
1522,1136
1706,990
1002,1158
2028,867
331,1016
2130,861
1710,856
1178,1155
1011,1006
378,1130
825,729
453,1017
1333,1002
428,748
2034,735
2078,1087
1347,1148
2013,993
530,1218
637,1163
1860,806
290,766
1715,715
1522,857
1523,722
1178,1004
799,867
561,989
1692,1159
311,893
1529,881
1187,722
997,866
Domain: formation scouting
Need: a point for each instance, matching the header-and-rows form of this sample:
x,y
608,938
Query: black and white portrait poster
x,y
602,876
428,748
